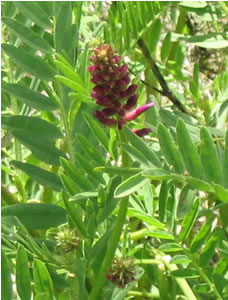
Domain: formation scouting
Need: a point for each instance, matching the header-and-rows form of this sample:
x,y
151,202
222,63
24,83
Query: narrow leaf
x,y
33,125
76,176
23,278
188,150
43,149
130,185
42,176
6,280
189,221
201,237
226,162
213,171
37,215
162,200
209,249
27,35
32,11
144,217
69,72
169,149
97,130
72,84
141,146
42,278
34,65
30,97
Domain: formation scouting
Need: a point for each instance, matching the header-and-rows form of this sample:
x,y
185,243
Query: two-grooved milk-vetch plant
x,y
113,90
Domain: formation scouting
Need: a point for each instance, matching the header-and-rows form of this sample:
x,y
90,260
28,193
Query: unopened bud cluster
x,y
122,272
67,240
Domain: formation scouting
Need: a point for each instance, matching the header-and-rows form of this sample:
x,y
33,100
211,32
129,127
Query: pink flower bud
x,y
137,112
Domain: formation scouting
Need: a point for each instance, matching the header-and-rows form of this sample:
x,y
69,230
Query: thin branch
x,y
165,89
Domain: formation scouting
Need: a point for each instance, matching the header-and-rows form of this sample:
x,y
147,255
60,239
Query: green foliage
x,y
76,194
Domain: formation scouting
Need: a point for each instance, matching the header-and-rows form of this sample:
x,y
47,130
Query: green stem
x,y
179,29
64,114
205,278
183,284
8,196
115,238
144,294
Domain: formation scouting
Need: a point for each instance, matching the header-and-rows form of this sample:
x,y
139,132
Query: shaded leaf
x,y
23,278
34,65
130,185
32,125
27,35
36,215
40,175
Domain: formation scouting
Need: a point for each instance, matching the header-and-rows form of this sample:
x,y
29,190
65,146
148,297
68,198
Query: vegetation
x,y
114,150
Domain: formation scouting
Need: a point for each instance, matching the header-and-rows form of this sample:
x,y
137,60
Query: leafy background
x,y
61,172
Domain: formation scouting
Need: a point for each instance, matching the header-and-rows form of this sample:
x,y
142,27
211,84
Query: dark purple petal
x,y
101,89
107,112
126,78
132,88
97,79
142,132
104,120
131,102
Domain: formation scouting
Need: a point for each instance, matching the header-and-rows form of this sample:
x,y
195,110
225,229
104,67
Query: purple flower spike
x,y
113,89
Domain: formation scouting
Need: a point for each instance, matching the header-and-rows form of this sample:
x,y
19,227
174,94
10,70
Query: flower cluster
x,y
122,272
113,90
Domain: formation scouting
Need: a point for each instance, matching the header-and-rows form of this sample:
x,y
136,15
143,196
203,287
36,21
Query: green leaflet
x,y
42,148
40,175
130,185
226,162
201,237
169,149
189,221
42,279
141,146
6,280
76,176
209,249
34,65
209,157
188,150
32,125
97,130
23,278
72,84
162,199
30,97
37,215
27,35
32,11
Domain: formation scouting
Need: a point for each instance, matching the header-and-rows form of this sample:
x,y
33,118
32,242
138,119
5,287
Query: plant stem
x,y
142,294
206,279
183,284
115,238
165,88
8,196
